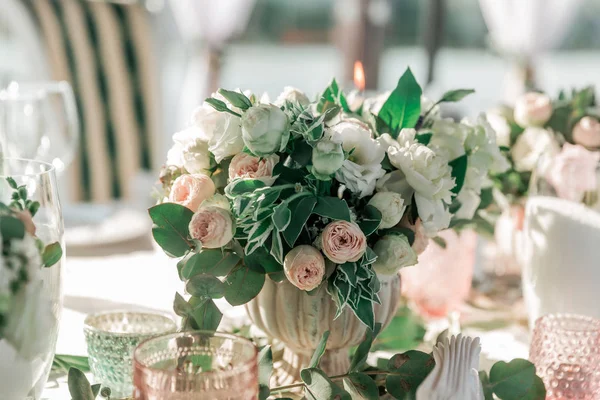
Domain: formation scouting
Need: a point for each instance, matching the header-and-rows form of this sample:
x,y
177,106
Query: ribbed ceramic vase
x,y
298,320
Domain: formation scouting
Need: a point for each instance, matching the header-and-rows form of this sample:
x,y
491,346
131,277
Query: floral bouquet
x,y
557,140
315,193
25,313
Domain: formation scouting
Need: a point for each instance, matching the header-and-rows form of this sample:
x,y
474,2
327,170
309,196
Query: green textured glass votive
x,y
111,338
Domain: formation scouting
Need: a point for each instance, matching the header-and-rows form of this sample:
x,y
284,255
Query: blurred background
x,y
139,67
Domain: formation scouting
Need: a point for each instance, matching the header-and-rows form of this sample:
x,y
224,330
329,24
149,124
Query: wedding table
x,y
143,278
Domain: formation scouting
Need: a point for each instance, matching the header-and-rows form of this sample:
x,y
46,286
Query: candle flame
x,y
359,75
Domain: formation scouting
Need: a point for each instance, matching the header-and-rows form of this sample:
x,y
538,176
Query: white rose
x,y
395,181
587,132
482,140
265,129
393,253
190,151
292,94
501,126
363,167
533,109
327,158
217,200
434,214
427,172
391,205
530,146
222,130
449,138
469,202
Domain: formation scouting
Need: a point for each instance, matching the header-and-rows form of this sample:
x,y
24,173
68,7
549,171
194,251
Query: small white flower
x,y
392,207
530,146
433,213
292,94
265,129
533,109
190,151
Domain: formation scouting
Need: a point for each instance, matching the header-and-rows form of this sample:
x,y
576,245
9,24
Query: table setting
x,y
353,245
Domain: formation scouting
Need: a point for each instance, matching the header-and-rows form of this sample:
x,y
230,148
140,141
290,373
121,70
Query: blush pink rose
x,y
213,226
304,266
421,239
533,109
343,241
587,132
573,172
191,190
246,166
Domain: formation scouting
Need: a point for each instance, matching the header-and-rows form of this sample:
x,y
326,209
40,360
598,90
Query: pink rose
x,y
213,226
343,241
587,132
533,109
304,266
421,239
246,166
191,190
573,172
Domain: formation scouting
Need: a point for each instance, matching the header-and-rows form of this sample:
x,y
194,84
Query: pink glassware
x,y
196,365
441,281
566,352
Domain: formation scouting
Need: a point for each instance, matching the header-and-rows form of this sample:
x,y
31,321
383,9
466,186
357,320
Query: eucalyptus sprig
x,y
80,388
20,200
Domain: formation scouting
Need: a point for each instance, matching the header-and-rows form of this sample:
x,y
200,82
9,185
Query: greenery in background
x,y
80,388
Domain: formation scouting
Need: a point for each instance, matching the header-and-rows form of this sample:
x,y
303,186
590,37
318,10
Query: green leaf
x,y
440,241
11,182
242,285
181,307
242,186
361,387
211,261
62,362
301,210
206,314
216,104
488,393
52,254
96,389
516,380
34,208
365,312
332,207
236,99
11,228
79,386
281,217
319,351
405,331
407,371
360,356
333,94
455,95
424,138
459,171
262,262
277,247
170,230
320,387
23,192
265,369
371,220
302,153
403,107
204,285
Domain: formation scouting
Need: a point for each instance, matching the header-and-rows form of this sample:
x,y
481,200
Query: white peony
x,y
292,94
190,151
392,207
222,130
393,253
362,168
433,213
395,181
482,140
530,146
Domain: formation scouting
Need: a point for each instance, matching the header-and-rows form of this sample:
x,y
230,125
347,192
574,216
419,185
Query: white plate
x,y
97,225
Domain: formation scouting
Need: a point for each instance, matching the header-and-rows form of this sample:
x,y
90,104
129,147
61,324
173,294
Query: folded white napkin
x,y
561,258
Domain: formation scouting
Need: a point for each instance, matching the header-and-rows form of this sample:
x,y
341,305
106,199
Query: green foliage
x,y
455,95
333,94
424,138
52,254
11,228
406,372
301,210
205,314
319,351
79,386
242,285
360,355
515,380
320,387
265,369
405,331
236,99
361,386
216,262
170,229
370,221
205,286
332,207
459,172
403,107
62,362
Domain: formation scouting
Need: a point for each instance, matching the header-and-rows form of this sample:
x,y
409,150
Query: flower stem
x,y
333,378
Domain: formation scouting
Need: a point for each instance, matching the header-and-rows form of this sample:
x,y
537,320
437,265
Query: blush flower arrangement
x,y
315,193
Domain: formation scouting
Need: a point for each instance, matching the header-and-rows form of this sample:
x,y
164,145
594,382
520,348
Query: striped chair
x,y
105,51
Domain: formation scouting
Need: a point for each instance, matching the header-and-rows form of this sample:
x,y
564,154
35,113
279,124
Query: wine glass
x,y
38,120
28,367
196,365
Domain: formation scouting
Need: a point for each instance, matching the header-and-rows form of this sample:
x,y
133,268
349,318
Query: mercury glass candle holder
x,y
566,352
111,338
196,365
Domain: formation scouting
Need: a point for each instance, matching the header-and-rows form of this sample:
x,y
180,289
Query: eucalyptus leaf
x,y
361,387
403,106
79,386
181,307
205,285
516,380
206,314
52,254
320,387
406,372
371,219
210,261
360,356
170,230
262,261
319,351
242,285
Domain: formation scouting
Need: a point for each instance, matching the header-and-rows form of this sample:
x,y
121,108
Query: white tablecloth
x,y
148,280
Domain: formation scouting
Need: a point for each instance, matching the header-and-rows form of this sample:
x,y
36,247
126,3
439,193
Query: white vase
x,y
298,320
